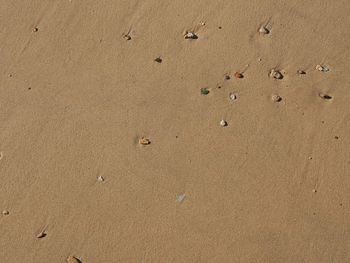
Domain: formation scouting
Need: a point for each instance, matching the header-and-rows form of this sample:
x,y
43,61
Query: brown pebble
x,y
158,60
35,29
73,259
227,77
336,137
127,37
239,75
144,141
301,72
276,98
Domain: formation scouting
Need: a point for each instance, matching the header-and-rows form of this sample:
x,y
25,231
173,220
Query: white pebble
x,y
223,123
190,35
232,96
276,74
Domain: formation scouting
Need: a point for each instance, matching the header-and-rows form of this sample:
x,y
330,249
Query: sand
x,y
83,81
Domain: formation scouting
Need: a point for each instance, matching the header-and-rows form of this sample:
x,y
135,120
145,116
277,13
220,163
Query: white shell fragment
x,y
263,30
232,96
100,178
223,123
180,198
190,35
41,235
322,68
276,74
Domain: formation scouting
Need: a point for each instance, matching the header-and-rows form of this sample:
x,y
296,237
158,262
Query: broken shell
x,y
276,74
41,234
325,96
72,259
232,96
276,98
239,75
223,123
5,212
180,197
190,35
263,30
322,68
100,178
144,141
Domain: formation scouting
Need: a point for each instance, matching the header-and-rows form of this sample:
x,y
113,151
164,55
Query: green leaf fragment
x,y
204,91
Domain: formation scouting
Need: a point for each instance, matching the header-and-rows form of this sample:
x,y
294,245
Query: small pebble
x,y
276,74
158,60
325,96
264,30
239,75
35,29
301,72
227,77
73,259
190,35
314,190
322,68
144,141
180,198
276,98
100,178
232,96
5,212
223,123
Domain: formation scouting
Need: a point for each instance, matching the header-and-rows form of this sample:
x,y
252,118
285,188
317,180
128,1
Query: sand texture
x,y
174,131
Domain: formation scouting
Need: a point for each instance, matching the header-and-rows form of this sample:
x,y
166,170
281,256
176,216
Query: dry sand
x,y
80,86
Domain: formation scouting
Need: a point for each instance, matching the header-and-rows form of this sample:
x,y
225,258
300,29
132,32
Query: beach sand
x,y
125,140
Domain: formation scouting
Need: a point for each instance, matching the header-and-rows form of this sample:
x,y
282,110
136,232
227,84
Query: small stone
x,y
205,91
276,74
264,30
144,141
227,77
301,72
314,190
5,212
100,178
276,98
73,259
158,60
190,35
325,96
223,123
239,75
232,96
35,29
180,198
322,68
